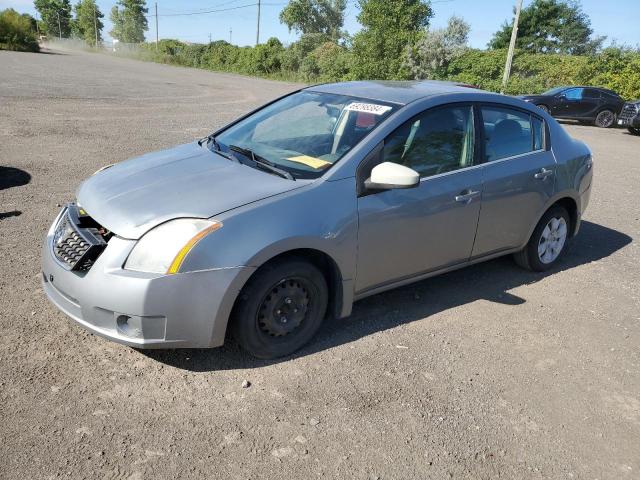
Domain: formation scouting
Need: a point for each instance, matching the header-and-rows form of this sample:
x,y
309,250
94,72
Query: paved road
x,y
488,372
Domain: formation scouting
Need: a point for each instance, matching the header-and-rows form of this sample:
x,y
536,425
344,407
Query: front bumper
x,y
630,122
143,310
629,116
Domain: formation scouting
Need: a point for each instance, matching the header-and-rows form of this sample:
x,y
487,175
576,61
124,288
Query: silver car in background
x,y
318,199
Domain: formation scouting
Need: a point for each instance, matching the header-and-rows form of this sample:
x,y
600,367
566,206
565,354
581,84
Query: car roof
x,y
400,92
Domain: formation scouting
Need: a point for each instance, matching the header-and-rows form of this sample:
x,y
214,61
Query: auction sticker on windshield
x,y
368,108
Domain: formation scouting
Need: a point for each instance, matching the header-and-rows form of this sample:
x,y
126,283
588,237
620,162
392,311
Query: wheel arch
x,y
340,289
340,295
570,204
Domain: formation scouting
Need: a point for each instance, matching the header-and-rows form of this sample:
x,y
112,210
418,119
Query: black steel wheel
x,y
280,309
605,119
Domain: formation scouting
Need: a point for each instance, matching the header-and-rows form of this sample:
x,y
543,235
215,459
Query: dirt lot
x,y
488,372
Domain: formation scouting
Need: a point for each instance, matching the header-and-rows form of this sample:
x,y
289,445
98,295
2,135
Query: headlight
x,y
162,249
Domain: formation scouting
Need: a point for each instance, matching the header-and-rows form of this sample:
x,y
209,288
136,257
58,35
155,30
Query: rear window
x,y
510,132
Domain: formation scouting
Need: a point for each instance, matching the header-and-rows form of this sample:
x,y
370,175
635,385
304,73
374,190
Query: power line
x,y
203,12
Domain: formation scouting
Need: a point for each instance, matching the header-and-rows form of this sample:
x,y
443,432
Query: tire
x,y
634,131
544,108
280,308
605,119
535,256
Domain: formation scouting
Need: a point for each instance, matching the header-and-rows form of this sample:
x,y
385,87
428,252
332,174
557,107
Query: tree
x,y
268,56
389,27
130,22
17,32
87,21
56,17
315,16
437,48
551,26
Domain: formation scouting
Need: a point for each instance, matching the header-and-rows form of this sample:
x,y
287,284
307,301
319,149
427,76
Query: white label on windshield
x,y
368,108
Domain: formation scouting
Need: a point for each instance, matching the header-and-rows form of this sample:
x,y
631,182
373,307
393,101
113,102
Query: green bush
x,y
617,69
17,32
315,58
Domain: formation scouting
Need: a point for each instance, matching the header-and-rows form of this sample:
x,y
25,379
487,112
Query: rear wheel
x,y
548,241
634,131
280,309
605,119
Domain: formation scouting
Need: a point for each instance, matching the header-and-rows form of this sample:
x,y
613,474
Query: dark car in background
x,y
599,106
630,117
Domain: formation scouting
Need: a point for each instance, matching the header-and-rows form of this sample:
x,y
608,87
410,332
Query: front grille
x,y
78,240
628,112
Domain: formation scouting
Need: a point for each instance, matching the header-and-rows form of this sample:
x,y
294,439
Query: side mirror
x,y
390,175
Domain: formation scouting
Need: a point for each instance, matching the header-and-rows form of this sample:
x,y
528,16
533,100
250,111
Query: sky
x,y
235,20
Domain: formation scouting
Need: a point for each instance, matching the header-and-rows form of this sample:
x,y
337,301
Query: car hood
x,y
131,197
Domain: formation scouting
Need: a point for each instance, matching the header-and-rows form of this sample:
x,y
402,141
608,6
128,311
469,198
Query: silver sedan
x,y
318,199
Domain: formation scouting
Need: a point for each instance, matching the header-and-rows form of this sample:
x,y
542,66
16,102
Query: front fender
x,y
321,216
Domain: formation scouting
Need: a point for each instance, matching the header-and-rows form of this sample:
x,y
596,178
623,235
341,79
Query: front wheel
x,y
544,108
280,309
605,119
548,241
634,131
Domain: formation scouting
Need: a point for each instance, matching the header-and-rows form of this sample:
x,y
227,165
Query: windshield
x,y
553,91
305,133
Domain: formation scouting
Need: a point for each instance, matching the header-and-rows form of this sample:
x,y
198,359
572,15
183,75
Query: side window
x,y
574,93
509,132
436,141
591,93
538,133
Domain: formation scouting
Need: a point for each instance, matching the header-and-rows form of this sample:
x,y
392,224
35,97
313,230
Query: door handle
x,y
466,196
542,174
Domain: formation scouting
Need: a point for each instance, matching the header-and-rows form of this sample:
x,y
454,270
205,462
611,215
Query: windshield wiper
x,y
261,162
216,148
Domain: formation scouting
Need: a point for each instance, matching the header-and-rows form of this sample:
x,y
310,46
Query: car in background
x,y
630,117
594,105
320,198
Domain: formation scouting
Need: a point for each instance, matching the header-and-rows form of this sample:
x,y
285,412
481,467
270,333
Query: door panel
x,y
410,231
590,103
515,191
571,102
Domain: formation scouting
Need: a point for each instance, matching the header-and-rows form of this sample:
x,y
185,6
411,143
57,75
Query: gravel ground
x,y
487,372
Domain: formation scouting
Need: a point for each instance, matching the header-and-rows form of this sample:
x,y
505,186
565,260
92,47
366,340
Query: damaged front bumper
x,y
143,310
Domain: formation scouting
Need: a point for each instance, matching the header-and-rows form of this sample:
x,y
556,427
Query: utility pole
x,y
156,26
258,27
209,37
59,28
230,35
95,23
512,46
